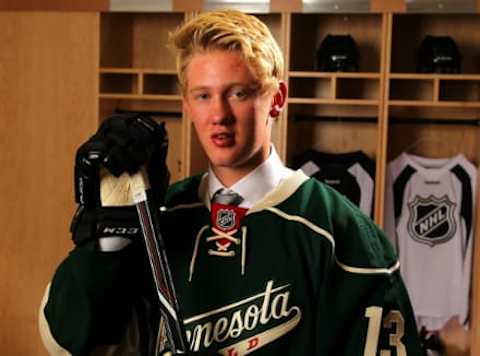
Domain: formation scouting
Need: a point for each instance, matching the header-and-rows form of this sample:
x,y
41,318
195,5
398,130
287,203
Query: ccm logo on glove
x,y
121,230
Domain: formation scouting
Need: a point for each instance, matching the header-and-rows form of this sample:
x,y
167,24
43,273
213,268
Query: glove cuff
x,y
92,224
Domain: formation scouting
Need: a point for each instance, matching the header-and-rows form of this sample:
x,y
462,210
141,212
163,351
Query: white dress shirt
x,y
255,184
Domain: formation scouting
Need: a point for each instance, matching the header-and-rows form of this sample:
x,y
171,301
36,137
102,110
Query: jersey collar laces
x,y
226,217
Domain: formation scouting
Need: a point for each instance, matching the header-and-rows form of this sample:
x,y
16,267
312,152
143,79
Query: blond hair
x,y
229,30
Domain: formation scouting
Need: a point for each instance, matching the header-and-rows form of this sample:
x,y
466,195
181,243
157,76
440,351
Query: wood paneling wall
x,y
48,88
55,5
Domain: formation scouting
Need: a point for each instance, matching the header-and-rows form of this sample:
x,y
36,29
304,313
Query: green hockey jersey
x,y
303,272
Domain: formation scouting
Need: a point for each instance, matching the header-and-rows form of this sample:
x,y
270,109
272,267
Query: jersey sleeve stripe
x,y
329,237
399,189
363,270
305,222
466,210
48,340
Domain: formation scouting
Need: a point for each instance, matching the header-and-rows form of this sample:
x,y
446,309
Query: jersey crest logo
x,y
431,220
225,219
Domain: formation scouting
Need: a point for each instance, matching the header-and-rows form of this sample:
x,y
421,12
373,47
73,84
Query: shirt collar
x,y
255,184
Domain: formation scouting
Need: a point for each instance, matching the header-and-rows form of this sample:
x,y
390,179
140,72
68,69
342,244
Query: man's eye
x,y
239,94
201,96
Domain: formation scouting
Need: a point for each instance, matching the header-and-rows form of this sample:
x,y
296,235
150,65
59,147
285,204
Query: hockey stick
x,y
160,268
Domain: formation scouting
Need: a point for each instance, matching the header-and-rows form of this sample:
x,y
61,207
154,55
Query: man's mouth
x,y
223,139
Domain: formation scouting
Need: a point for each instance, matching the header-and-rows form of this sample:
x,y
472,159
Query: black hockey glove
x,y
123,144
169,353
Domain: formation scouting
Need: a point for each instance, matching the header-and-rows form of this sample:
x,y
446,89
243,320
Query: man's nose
x,y
220,111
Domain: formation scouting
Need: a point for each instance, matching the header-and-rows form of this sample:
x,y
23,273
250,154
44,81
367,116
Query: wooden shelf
x,y
119,70
342,88
348,75
138,83
434,76
140,97
317,101
116,70
444,90
443,104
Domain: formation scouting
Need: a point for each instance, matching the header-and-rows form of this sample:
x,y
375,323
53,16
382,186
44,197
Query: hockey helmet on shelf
x,y
438,54
337,53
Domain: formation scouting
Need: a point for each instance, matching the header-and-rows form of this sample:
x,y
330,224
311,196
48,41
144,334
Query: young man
x,y
294,269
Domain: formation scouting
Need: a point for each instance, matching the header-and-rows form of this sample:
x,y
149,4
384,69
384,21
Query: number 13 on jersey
x,y
392,321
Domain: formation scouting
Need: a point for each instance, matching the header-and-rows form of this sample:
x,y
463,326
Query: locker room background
x,y
66,65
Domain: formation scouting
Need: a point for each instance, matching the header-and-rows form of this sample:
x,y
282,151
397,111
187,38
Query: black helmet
x,y
337,53
438,54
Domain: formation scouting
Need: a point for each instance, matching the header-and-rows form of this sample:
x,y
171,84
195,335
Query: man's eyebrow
x,y
197,88
250,86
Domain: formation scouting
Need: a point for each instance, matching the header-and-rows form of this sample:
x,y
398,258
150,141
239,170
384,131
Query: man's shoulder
x,y
313,196
358,241
185,191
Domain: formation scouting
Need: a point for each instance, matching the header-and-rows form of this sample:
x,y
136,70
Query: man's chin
x,y
223,160
223,164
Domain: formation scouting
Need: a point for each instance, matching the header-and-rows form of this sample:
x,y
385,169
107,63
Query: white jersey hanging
x,y
350,173
429,207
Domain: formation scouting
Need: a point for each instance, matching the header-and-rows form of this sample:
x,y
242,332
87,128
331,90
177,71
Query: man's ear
x,y
279,99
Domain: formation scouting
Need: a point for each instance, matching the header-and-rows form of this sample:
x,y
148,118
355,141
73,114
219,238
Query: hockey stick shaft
x,y
159,264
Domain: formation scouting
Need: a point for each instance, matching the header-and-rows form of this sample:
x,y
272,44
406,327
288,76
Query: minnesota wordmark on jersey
x,y
267,315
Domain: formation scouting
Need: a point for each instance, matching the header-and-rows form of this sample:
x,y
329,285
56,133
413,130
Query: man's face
x,y
230,113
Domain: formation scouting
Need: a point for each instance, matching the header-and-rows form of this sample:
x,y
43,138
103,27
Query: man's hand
x,y
454,338
121,146
169,353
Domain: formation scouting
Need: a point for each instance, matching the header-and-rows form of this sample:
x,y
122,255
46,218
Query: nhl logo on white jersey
x,y
225,219
431,220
